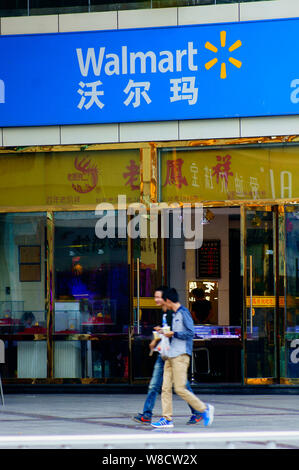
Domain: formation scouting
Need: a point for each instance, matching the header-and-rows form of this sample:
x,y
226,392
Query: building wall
x,y
157,131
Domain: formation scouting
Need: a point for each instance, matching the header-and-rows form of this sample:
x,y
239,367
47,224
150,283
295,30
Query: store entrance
x,y
247,270
214,269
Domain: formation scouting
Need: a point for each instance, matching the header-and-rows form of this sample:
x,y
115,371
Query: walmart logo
x,y
233,47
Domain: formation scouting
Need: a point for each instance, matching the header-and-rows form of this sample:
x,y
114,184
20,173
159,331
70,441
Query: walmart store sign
x,y
173,73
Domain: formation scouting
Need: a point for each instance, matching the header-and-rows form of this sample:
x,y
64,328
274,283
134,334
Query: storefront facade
x,y
77,307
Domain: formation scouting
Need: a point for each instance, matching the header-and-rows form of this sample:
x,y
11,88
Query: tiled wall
x,y
171,130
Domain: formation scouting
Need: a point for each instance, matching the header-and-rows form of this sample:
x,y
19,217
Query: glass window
x,y
91,276
102,5
47,7
23,293
92,298
14,7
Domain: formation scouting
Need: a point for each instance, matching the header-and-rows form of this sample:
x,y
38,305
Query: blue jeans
x,y
155,387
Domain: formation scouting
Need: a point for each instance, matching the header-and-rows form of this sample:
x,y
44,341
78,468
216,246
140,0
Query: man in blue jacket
x,y
177,363
157,378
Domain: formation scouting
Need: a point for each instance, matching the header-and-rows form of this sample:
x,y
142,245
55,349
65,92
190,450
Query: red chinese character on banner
x,y
132,175
174,173
222,169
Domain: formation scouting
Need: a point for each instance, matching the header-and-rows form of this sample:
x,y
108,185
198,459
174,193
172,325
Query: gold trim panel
x,y
260,381
91,207
287,381
145,302
264,301
283,139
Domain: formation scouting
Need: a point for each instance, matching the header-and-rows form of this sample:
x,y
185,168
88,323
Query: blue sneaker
x,y
208,415
163,423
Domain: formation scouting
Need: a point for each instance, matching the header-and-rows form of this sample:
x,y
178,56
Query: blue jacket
x,y
183,328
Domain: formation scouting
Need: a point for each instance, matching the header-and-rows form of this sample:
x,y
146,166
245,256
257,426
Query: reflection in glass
x,y
291,357
148,251
103,358
91,297
91,277
22,293
21,290
43,7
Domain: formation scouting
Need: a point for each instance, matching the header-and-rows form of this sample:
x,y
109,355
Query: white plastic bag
x,y
163,347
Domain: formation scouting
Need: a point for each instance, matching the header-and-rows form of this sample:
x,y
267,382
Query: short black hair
x,y
198,292
28,315
162,289
171,294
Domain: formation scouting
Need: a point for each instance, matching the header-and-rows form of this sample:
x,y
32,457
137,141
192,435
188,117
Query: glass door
x,y
289,303
91,301
261,299
147,274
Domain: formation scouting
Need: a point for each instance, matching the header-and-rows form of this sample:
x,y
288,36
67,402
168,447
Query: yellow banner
x,y
264,301
69,178
229,174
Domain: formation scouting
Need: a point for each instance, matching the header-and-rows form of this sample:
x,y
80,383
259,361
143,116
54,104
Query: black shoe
x,y
195,419
140,418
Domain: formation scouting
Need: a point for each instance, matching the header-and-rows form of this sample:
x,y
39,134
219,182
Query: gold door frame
x,y
50,294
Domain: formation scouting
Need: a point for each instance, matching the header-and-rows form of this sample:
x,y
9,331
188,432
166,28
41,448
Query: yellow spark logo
x,y
233,47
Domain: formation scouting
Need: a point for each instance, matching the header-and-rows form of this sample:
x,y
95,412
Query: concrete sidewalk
x,y
94,421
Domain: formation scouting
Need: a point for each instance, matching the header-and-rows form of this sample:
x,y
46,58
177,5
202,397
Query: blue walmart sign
x,y
173,73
